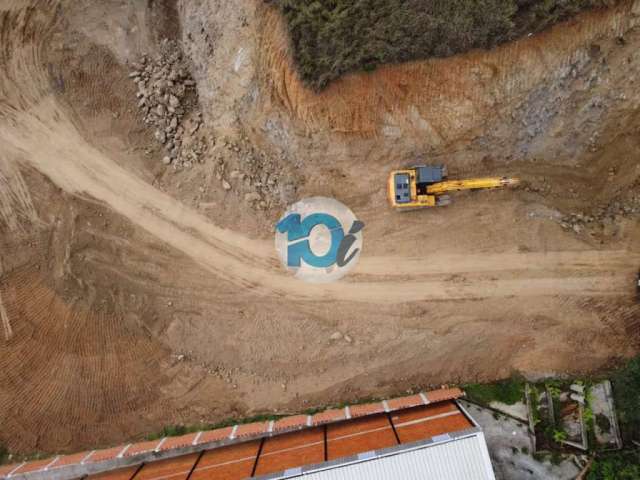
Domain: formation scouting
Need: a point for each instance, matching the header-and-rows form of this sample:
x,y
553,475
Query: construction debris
x,y
167,98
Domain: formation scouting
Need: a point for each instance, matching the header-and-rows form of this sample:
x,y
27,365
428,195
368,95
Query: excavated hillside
x,y
149,147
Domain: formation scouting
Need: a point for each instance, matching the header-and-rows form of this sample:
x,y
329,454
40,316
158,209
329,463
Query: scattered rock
x,y
164,100
166,160
336,336
252,197
226,185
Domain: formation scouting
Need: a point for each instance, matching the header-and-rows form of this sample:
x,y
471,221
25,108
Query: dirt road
x,y
74,165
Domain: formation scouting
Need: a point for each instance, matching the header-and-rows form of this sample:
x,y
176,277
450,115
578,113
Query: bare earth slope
x,y
125,306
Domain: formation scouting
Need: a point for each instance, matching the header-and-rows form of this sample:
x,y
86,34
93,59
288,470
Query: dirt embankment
x,y
437,101
142,295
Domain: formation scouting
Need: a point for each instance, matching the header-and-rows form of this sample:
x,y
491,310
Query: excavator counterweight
x,y
427,186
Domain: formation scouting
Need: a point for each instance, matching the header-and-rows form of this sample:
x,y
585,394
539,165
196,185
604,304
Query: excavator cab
x,y
427,186
408,188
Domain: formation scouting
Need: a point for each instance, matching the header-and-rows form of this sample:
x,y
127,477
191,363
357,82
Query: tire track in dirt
x,y
87,372
35,128
241,261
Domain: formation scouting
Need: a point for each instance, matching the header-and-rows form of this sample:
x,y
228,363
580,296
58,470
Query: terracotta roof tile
x,y
291,450
214,435
426,422
366,409
405,402
240,431
177,468
295,421
328,416
67,460
231,462
444,394
142,447
251,429
6,469
119,474
33,466
359,435
178,442
107,454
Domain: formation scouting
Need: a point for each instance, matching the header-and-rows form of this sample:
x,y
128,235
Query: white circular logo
x,y
319,239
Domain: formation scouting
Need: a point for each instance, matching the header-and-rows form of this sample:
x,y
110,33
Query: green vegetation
x,y
509,391
603,423
534,404
334,37
540,456
4,454
587,413
559,436
616,466
556,458
626,392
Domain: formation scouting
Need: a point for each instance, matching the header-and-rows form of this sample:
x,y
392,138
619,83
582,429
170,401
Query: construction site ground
x,y
140,287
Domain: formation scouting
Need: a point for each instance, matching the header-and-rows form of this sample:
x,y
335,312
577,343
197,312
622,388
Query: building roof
x,y
291,444
452,457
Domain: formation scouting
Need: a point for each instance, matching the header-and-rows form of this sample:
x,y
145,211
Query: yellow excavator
x,y
427,186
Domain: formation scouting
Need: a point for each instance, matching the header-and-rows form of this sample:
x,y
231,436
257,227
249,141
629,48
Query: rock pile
x,y
167,99
605,216
576,221
256,174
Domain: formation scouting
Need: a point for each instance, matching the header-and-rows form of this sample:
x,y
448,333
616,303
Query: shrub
x,y
508,391
559,436
626,392
603,423
616,466
334,37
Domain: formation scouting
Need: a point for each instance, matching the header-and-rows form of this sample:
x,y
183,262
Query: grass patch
x,y
334,37
616,466
4,454
509,391
626,393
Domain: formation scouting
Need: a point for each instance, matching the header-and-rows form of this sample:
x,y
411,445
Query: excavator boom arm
x,y
469,184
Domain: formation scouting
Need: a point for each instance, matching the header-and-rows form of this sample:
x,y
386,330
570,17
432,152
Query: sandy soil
x,y
135,295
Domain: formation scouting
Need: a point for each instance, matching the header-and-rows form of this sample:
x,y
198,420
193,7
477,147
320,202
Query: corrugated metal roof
x,y
464,458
